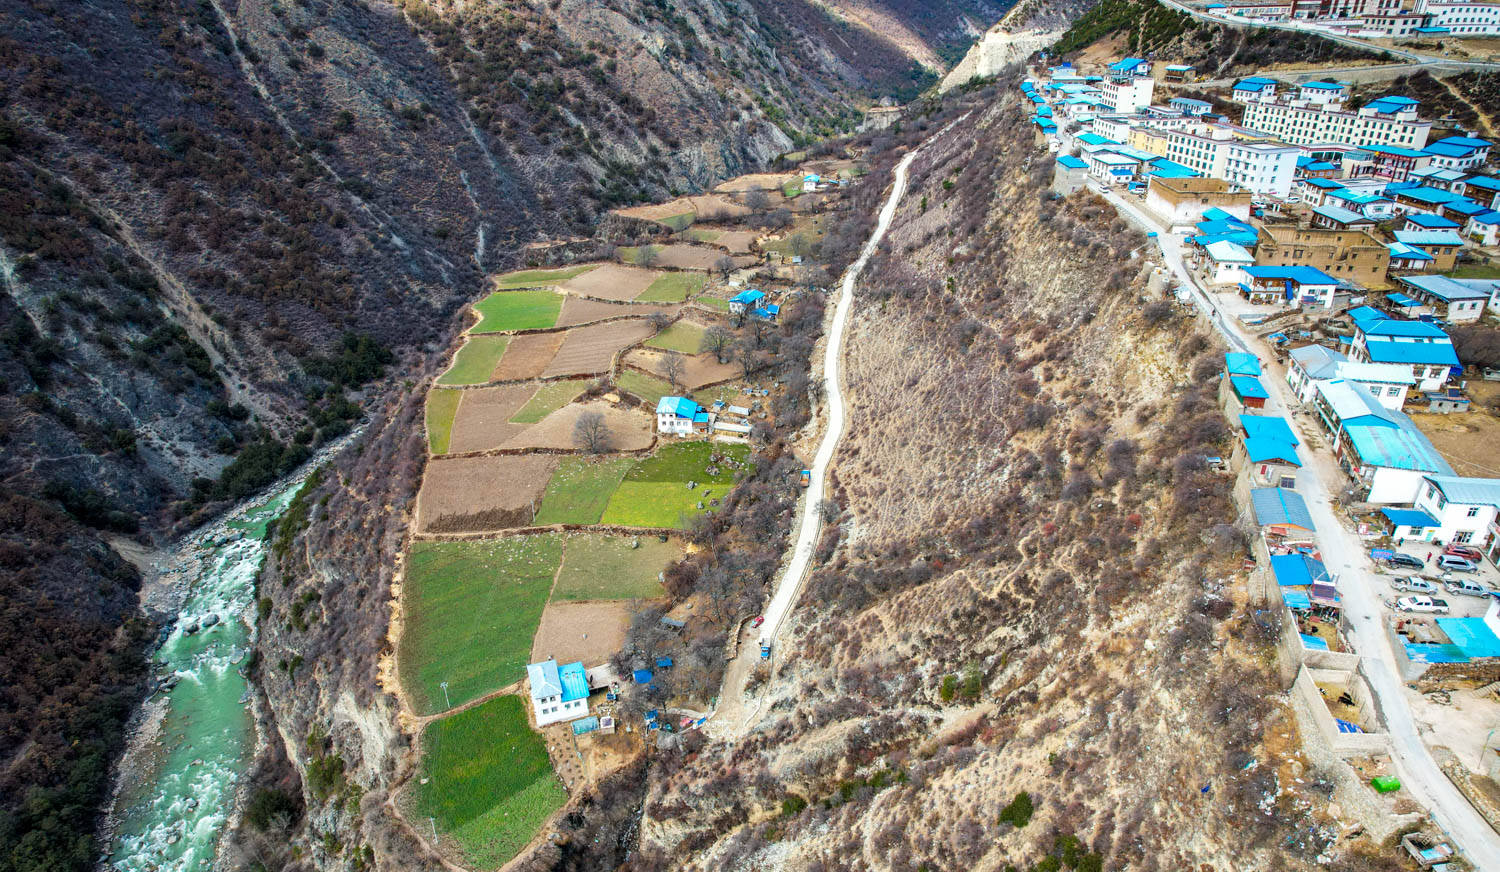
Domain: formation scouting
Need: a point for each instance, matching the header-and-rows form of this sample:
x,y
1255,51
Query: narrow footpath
x,y
731,718
1354,573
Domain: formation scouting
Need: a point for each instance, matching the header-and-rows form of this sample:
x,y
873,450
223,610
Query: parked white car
x,y
1414,584
1423,604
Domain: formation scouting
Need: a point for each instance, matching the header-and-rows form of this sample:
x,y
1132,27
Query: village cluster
x,y
1376,19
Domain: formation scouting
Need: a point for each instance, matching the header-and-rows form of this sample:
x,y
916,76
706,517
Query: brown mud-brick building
x,y
1350,255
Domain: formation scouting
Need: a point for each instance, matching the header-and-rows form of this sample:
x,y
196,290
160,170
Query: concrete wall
x,y
1343,744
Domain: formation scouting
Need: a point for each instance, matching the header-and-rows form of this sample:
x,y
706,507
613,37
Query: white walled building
x,y
1387,121
1464,508
1462,18
1129,95
1387,383
1259,167
557,693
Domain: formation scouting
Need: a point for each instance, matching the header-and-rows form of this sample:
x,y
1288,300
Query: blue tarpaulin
x,y
1409,518
1421,652
1298,570
642,676
1346,727
1296,599
1313,643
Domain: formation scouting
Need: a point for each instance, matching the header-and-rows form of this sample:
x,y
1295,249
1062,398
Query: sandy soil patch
x,y
706,207
697,370
681,256
1466,441
587,631
612,281
483,417
473,494
577,310
592,349
764,181
527,356
629,429
737,241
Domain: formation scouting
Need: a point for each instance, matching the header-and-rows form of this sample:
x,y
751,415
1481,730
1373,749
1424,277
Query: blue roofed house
x,y
766,313
1459,152
1336,217
1443,245
1379,339
1189,106
1456,300
1254,89
745,300
1268,461
680,416
1424,221
1311,364
1241,363
1380,448
1408,258
1485,190
1484,228
1069,174
1465,509
1282,513
557,693
810,183
1297,286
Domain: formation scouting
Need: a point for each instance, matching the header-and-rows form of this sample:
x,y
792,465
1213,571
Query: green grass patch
x,y
517,310
599,567
683,336
540,278
632,253
679,222
649,388
655,493
699,234
548,398
729,393
1476,271
471,610
673,287
489,783
442,406
718,304
791,190
580,488
474,363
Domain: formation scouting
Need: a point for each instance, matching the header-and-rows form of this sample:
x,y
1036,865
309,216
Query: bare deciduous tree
x,y
590,433
757,199
716,341
647,255
672,367
724,265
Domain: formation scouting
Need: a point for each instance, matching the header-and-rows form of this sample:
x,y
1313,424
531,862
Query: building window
x,y
1472,513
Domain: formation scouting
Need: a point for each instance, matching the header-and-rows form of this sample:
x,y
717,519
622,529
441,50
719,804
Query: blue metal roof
x,y
1241,363
1228,225
1296,599
1379,325
1323,86
543,678
1216,214
1403,300
748,297
1431,222
1483,183
1428,237
1301,275
574,684
682,407
1402,251
1447,290
1044,111
1268,427
1298,570
1126,65
1447,150
1342,215
1424,194
1490,217
641,676
1253,83
1279,505
1466,207
1171,170
1395,150
1472,636
1072,162
1468,491
1189,101
1248,387
1409,518
1246,238
1096,139
1325,184
1395,447
1263,450
1424,353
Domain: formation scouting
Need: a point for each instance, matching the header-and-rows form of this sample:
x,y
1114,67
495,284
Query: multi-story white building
x,y
1458,153
1257,166
1463,507
1387,121
1127,95
1462,18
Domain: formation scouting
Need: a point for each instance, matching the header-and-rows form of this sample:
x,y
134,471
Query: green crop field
x,y
474,362
486,780
596,566
632,253
684,336
540,278
718,304
699,234
655,492
548,398
729,393
680,221
792,189
471,609
580,488
442,406
517,310
673,287
648,388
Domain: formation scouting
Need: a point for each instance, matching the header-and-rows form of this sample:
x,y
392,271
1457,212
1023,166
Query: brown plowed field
x,y
707,207
612,281
483,417
679,256
629,430
527,356
474,494
577,310
587,631
698,369
737,241
592,349
765,181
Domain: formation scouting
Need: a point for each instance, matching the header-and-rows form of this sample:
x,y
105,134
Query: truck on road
x,y
765,648
1425,604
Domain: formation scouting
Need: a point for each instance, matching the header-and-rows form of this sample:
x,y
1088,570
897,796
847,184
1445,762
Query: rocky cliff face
x,y
218,215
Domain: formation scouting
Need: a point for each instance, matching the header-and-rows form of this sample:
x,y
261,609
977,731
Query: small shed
x,y
1445,402
1249,391
641,676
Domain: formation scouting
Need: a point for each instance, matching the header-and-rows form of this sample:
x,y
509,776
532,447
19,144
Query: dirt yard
x,y
681,256
592,349
527,356
476,494
1466,441
698,369
577,310
587,631
630,430
764,181
612,281
483,419
737,241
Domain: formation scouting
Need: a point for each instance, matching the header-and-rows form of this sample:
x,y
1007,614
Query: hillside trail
x,y
732,719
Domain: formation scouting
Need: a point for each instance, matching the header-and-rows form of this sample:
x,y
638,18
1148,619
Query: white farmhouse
x,y
1464,508
680,416
557,693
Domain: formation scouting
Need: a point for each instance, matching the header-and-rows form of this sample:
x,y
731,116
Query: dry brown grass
x,y
587,631
477,494
527,356
591,349
612,281
630,429
697,369
483,417
577,310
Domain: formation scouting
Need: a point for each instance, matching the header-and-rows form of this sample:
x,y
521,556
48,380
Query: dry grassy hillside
x,y
1038,587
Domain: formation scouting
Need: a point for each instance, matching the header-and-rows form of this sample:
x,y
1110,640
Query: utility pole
x,y
446,702
433,822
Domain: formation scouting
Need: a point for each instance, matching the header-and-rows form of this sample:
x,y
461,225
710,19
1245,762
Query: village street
x,y
1345,557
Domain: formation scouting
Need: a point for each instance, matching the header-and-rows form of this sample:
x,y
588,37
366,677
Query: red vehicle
x,y
759,619
1465,552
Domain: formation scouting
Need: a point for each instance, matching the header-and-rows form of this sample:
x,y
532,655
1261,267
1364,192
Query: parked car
x,y
1454,563
1467,587
1405,561
1424,604
1491,373
1414,584
1465,552
759,619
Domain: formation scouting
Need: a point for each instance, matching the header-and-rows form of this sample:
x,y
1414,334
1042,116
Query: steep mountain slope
x,y
218,217
1039,589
